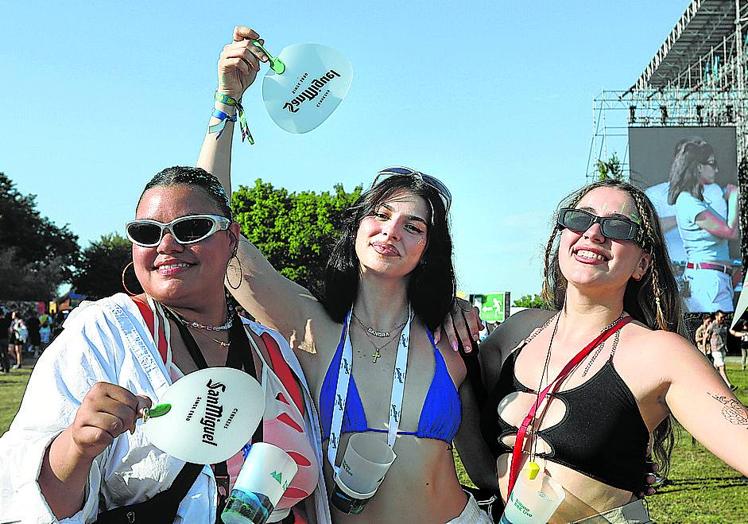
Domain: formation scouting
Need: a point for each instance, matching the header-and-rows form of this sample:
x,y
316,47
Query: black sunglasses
x,y
429,180
185,230
615,228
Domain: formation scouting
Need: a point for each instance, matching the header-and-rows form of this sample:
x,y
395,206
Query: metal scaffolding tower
x,y
696,78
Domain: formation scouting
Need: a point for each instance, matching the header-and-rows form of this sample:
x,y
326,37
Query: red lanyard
x,y
551,388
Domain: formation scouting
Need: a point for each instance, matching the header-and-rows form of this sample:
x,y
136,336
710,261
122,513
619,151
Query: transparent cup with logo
x,y
264,477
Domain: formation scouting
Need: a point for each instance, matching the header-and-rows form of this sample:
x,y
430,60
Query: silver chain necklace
x,y
230,312
376,333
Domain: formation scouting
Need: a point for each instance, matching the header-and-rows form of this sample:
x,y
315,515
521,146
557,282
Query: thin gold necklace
x,y
224,345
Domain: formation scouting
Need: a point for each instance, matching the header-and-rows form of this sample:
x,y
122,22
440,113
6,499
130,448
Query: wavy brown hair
x,y
653,300
689,154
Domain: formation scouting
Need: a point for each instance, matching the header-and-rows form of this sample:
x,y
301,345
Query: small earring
x,y
124,285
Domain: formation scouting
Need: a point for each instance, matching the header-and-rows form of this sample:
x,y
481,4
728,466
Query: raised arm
x,y
700,400
260,289
238,66
715,224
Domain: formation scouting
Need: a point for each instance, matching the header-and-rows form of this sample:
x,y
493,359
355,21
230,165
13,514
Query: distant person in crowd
x,y
68,453
702,334
45,330
704,230
32,325
57,324
741,331
19,335
5,320
606,273
717,333
658,194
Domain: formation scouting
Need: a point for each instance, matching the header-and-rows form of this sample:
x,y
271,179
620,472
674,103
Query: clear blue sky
x,y
493,97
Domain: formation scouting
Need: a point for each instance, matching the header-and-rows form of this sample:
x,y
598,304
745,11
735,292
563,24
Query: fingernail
x,y
454,346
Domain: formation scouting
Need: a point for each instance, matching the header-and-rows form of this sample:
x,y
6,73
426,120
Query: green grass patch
x,y
702,488
12,386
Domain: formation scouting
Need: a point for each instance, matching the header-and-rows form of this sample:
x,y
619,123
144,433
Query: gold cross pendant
x,y
375,356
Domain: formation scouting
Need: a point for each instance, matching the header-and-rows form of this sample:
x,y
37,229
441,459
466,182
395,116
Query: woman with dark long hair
x,y
607,274
704,227
389,283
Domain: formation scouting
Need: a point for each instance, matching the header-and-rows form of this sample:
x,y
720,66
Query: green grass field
x,y
702,488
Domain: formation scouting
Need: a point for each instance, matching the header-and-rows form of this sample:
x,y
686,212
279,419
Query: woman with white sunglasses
x,y
367,346
71,457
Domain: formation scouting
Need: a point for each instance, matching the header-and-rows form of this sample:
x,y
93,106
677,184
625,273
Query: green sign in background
x,y
494,307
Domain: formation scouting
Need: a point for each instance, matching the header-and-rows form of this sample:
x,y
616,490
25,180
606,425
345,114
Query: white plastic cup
x,y
364,466
264,477
532,501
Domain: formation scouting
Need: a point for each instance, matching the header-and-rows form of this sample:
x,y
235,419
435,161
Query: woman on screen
x,y
705,231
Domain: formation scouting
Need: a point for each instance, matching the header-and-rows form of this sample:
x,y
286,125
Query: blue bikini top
x,y
441,413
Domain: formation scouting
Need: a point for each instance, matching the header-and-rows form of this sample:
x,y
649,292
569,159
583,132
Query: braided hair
x,y
652,300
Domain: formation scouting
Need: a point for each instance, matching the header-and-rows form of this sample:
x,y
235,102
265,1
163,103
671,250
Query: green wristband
x,y
226,99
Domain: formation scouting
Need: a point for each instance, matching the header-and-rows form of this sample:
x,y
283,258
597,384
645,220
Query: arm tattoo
x,y
733,411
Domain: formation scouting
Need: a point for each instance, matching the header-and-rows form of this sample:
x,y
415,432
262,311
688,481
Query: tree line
x,y
294,230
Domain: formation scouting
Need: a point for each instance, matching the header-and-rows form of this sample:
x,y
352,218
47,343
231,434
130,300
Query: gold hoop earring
x,y
124,285
232,268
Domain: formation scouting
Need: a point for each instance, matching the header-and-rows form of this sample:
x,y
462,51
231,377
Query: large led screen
x,y
690,175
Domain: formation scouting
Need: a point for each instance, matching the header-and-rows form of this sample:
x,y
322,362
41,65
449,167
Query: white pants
x,y
472,514
719,359
711,290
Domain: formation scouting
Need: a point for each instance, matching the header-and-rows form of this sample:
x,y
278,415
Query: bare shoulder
x,y
513,330
659,351
499,344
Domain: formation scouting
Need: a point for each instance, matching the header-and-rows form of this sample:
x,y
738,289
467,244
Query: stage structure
x,y
697,78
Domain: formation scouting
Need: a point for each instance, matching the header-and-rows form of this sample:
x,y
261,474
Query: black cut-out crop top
x,y
602,434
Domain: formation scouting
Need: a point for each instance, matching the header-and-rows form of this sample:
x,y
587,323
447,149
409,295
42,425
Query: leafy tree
x,y
20,281
99,273
33,245
295,231
532,301
610,169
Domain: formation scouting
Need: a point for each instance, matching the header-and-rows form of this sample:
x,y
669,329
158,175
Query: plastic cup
x,y
365,463
532,500
264,477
